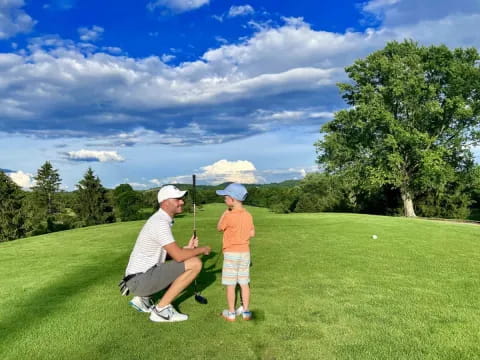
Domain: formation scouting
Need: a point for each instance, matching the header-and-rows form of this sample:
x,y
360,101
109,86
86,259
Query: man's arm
x,y
181,254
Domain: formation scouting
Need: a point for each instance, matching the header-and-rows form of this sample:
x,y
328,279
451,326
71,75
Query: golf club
x,y
198,298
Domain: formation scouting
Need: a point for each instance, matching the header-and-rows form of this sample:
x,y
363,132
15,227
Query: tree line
x,y
47,209
403,146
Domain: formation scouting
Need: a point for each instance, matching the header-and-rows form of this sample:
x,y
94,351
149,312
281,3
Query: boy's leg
x,y
245,296
229,278
192,269
244,279
231,298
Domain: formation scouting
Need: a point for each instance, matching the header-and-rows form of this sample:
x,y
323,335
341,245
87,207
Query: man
x,y
148,273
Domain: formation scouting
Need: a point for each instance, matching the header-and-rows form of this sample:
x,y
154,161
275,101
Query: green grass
x,y
322,288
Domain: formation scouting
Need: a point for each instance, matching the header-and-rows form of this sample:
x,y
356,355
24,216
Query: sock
x,y
161,308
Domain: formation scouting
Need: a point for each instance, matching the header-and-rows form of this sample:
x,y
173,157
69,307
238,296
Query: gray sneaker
x,y
141,303
167,314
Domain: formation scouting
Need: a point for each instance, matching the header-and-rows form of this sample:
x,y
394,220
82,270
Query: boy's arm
x,y
221,225
252,230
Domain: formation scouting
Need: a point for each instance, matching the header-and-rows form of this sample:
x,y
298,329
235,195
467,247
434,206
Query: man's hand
x,y
193,243
206,250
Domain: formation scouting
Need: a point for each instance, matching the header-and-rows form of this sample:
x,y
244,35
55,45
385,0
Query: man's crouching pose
x,y
148,273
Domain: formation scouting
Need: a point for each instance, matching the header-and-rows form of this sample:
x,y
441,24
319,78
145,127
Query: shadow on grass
x,y
44,302
206,278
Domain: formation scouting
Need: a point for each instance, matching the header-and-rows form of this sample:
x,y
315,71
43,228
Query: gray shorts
x,y
156,278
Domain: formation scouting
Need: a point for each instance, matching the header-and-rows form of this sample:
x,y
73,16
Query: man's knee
x,y
194,264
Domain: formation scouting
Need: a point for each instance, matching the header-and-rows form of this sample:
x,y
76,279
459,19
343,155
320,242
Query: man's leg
x,y
192,269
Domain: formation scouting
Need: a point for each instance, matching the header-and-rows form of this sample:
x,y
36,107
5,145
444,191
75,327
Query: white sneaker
x,y
142,304
227,315
239,311
167,314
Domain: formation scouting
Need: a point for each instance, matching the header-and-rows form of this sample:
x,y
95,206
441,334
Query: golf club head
x,y
200,299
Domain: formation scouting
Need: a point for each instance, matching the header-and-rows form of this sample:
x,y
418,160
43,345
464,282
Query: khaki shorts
x,y
156,278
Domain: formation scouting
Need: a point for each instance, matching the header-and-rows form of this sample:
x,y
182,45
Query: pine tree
x,y
46,189
93,206
12,218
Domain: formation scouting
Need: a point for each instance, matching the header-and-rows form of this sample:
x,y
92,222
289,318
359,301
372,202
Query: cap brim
x,y
221,192
183,193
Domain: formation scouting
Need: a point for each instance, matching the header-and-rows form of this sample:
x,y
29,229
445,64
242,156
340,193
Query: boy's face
x,y
229,201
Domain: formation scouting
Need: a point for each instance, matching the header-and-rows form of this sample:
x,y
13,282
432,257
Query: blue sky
x,y
149,92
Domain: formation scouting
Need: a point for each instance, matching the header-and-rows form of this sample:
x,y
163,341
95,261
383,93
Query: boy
x,y
237,226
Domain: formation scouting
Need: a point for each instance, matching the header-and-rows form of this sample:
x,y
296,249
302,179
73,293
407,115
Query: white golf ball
x,y
374,237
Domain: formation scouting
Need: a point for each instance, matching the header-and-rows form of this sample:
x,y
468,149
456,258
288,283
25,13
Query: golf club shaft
x,y
194,195
194,190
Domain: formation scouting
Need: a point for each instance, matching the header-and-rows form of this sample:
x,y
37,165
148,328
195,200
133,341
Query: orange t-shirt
x,y
237,226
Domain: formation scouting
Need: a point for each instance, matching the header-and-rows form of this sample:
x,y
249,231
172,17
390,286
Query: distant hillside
x,y
286,183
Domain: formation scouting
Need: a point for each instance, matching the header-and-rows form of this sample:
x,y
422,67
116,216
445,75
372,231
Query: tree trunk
x,y
408,204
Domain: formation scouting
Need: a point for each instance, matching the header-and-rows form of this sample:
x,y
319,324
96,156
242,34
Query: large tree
x,y
93,206
12,219
413,117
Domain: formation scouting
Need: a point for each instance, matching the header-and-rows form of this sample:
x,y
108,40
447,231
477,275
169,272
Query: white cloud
x,y
219,18
166,58
112,49
375,6
398,12
241,171
241,10
94,155
138,186
13,19
90,34
279,77
221,40
177,6
24,180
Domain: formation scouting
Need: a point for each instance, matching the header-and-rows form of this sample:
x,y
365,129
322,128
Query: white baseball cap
x,y
170,192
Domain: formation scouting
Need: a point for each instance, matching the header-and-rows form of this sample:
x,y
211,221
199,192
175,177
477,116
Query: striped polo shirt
x,y
148,250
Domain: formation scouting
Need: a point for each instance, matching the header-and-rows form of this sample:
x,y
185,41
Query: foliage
x,y
127,202
93,206
12,217
322,192
413,117
278,199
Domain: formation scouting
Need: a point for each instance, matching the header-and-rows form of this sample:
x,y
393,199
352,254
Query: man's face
x,y
173,206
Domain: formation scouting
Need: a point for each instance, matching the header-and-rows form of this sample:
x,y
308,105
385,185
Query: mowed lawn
x,y
322,288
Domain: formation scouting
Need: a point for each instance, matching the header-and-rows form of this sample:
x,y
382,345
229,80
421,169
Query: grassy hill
x,y
322,288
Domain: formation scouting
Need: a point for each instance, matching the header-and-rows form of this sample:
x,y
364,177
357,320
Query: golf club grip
x,y
194,189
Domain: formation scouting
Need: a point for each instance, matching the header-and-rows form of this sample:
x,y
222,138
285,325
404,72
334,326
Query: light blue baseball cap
x,y
234,190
